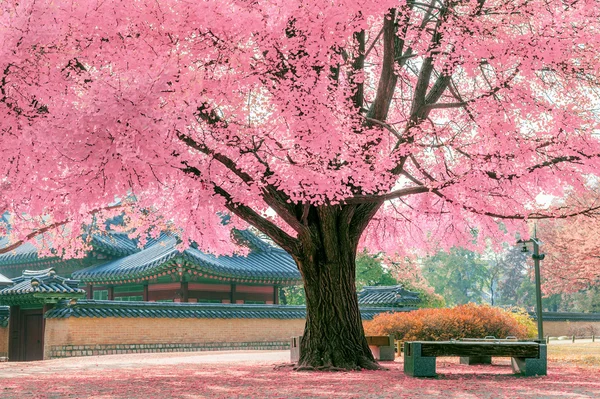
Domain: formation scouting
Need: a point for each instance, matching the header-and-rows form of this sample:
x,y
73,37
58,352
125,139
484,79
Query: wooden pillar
x,y
90,291
47,307
232,295
276,295
184,291
145,295
111,293
14,334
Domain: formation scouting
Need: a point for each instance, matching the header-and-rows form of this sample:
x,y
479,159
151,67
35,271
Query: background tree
x,y
506,277
459,276
572,251
403,123
587,301
513,263
292,295
370,271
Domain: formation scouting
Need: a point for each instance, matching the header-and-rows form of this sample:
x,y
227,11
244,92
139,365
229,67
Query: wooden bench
x,y
382,347
483,359
527,358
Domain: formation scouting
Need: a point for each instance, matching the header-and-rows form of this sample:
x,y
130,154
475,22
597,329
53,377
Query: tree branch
x,y
273,197
246,213
358,65
551,162
225,161
403,192
385,125
446,105
534,216
249,215
52,226
387,80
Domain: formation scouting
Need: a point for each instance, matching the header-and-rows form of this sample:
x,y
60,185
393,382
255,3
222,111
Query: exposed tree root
x,y
364,364
284,366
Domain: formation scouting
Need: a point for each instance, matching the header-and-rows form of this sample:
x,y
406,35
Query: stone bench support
x,y
471,360
532,366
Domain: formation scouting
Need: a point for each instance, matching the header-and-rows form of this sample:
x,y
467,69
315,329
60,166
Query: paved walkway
x,y
139,360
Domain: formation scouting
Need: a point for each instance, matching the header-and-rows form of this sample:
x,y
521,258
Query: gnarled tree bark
x,y
334,338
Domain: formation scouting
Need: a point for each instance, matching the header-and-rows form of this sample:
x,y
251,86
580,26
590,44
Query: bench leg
x,y
531,366
387,353
416,365
475,360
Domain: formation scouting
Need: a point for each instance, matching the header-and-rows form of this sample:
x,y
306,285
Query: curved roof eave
x,y
274,265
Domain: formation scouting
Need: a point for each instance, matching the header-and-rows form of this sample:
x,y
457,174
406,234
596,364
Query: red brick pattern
x,y
90,332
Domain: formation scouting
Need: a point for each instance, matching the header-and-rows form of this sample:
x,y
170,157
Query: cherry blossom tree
x,y
572,250
401,123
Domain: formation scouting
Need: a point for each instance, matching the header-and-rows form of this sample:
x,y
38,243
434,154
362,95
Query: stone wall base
x,y
97,350
3,343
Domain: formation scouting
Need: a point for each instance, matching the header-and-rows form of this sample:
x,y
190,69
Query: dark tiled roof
x,y
119,244
137,264
43,282
92,308
5,280
567,316
387,296
263,262
111,243
25,253
260,263
4,312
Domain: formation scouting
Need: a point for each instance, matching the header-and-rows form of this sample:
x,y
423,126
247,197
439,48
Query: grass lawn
x,y
573,372
577,354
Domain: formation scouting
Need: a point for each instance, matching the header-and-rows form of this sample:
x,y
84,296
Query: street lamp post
x,y
537,257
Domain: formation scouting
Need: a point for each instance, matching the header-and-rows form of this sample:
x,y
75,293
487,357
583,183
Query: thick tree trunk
x,y
333,338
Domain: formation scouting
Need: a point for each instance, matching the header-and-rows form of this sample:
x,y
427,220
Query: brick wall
x,y
580,328
84,336
3,343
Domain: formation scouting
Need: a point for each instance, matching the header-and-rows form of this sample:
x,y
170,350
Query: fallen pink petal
x,y
255,375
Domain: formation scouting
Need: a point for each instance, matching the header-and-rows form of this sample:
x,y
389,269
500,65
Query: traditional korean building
x,y
118,269
123,298
50,319
4,281
118,272
388,297
30,296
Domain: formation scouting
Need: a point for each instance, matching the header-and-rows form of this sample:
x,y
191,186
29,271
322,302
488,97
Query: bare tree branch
x,y
403,192
248,214
52,226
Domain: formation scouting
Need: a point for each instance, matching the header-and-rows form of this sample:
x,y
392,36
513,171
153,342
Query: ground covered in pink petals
x,y
262,380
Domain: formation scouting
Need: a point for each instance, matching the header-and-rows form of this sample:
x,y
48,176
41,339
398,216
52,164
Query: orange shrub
x,y
464,321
